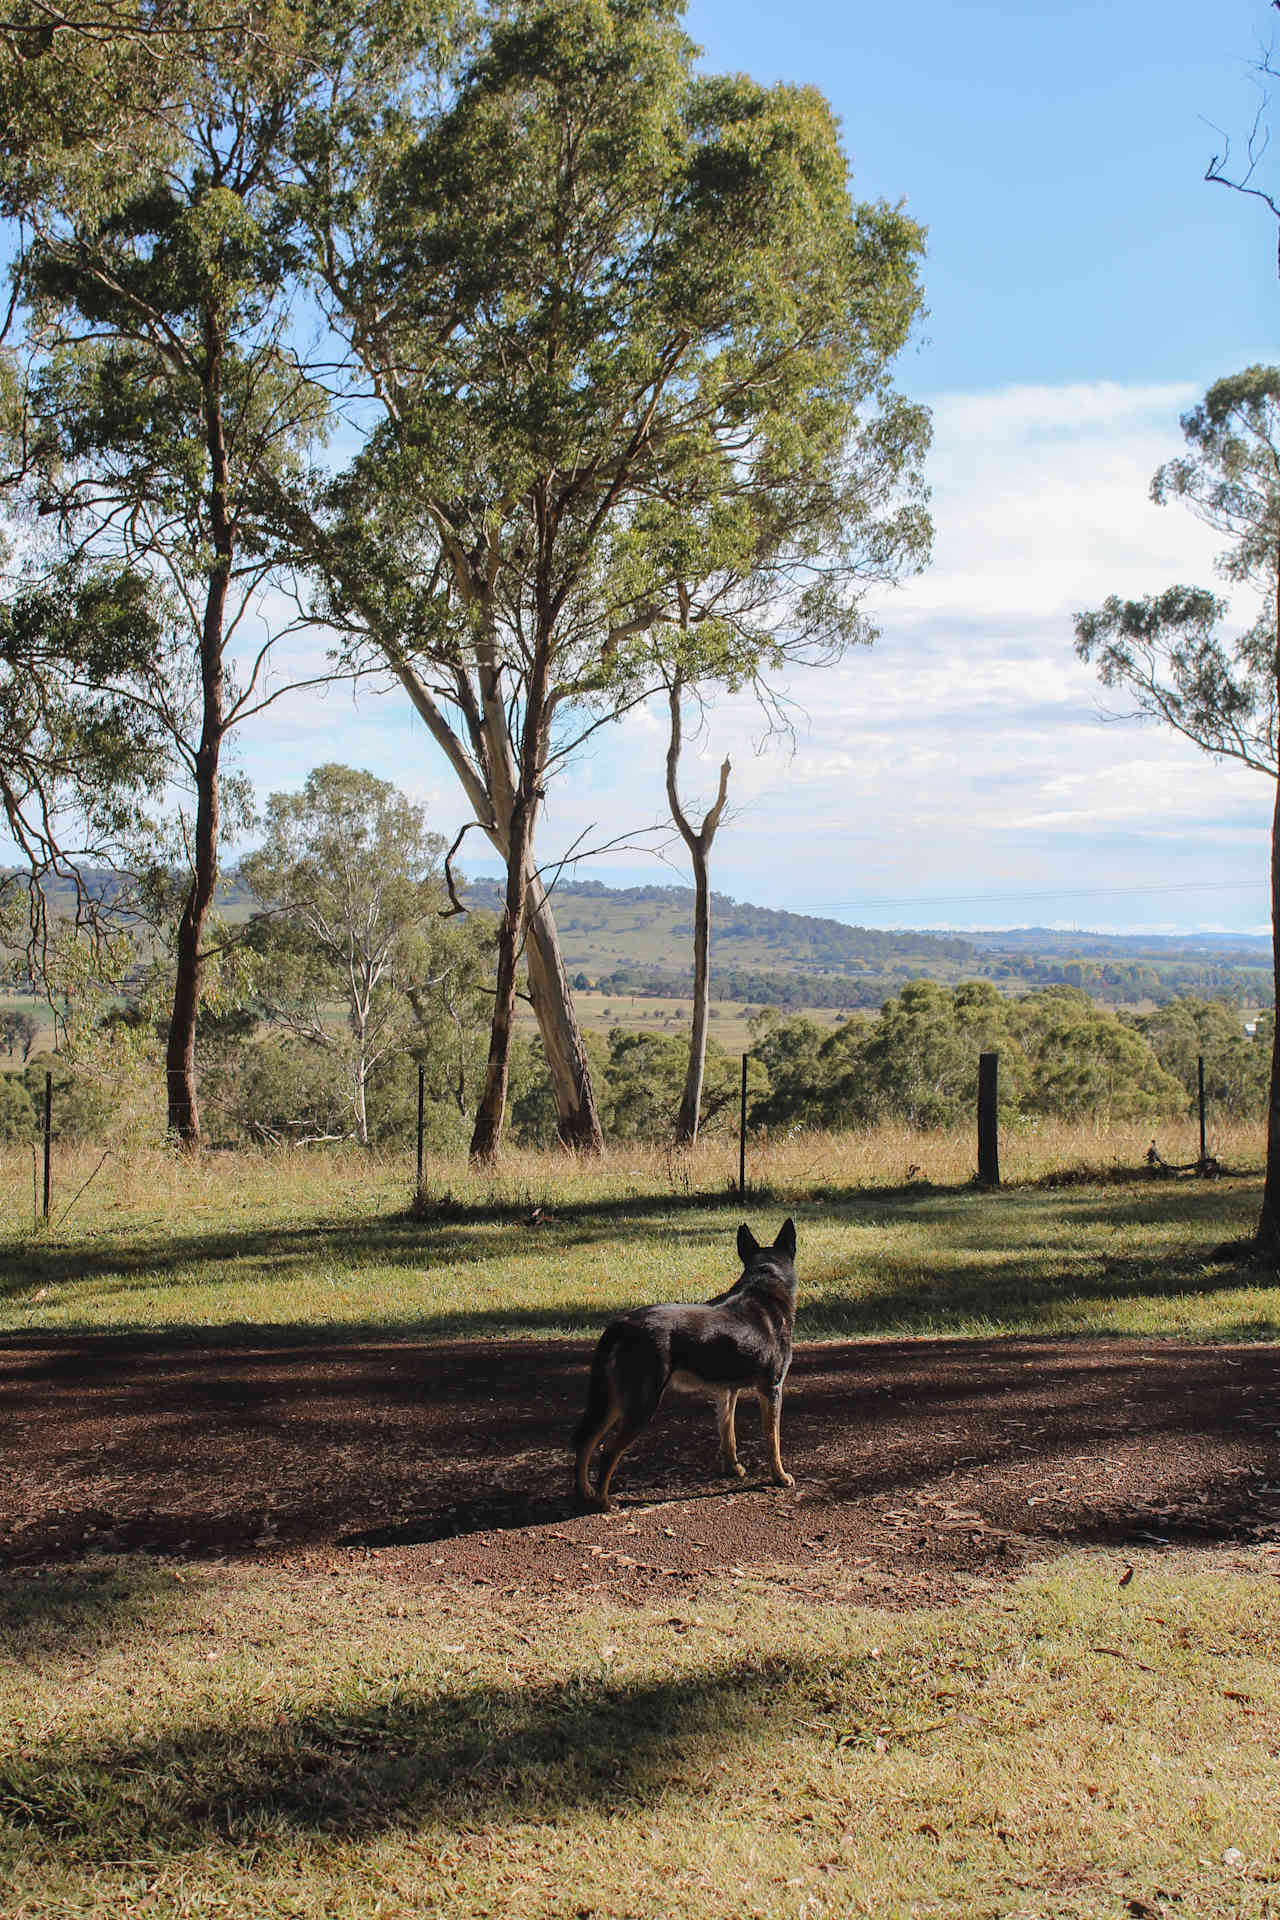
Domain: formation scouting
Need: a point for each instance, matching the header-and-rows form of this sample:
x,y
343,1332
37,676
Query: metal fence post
x,y
988,1141
742,1135
422,1074
48,1141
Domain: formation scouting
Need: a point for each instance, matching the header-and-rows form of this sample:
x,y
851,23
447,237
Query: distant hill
x,y
639,940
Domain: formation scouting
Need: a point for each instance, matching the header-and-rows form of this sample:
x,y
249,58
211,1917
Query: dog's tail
x,y
602,1407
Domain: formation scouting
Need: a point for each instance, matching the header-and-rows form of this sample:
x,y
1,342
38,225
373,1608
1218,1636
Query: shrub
x,y
17,1115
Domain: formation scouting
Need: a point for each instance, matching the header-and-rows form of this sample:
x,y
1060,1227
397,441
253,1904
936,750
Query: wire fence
x,y
988,1139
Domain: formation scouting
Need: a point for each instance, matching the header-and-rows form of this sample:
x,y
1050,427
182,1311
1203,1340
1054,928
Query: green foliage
x,y
1061,1057
631,338
80,752
17,1115
278,1089
1167,650
649,302
639,1078
19,1032
643,1084
1237,1065
790,1052
393,1102
643,1081
105,1077
531,1106
917,1063
1087,1064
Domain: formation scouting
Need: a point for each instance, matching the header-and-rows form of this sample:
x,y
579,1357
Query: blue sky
x,y
1084,286
1055,152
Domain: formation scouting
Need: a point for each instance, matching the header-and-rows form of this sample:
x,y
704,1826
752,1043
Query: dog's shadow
x,y
513,1516
452,1523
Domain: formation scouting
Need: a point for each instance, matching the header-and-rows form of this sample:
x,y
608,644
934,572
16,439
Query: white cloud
x,y
967,752
1021,413
1040,501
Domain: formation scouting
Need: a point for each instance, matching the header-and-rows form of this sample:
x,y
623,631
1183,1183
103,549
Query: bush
x,y
17,1115
392,1103
285,1090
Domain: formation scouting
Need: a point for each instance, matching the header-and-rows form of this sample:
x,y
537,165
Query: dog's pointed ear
x,y
785,1243
748,1245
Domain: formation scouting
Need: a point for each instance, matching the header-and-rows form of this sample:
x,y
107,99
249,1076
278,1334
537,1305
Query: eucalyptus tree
x,y
776,580
84,92
592,289
88,89
351,877
79,756
1174,655
163,395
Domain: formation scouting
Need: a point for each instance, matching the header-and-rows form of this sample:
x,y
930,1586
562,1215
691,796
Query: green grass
x,y
327,1241
263,1742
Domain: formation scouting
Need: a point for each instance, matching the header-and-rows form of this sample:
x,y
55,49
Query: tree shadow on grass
x,y
1013,1271
1025,1244
50,1614
984,1299
247,1257
447,1758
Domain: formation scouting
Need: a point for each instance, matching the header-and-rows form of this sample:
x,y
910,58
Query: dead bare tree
x,y
698,840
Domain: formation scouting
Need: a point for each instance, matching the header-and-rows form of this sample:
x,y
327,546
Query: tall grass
x,y
161,1183
895,1237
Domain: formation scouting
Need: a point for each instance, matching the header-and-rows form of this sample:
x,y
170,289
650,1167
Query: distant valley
x,y
638,941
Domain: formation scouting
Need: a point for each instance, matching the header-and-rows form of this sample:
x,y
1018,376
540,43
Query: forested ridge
x,y
634,941
624,939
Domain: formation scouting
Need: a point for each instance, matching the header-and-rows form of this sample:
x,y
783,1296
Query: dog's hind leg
x,y
770,1399
726,1406
614,1448
603,1413
589,1440
602,1416
639,1401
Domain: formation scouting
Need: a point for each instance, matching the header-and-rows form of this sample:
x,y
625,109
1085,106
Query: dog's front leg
x,y
726,1407
770,1399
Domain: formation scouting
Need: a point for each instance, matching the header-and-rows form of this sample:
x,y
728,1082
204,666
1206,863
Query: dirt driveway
x,y
917,1463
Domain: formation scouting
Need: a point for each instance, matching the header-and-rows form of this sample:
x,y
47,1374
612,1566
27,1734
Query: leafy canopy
x,y
630,333
1169,650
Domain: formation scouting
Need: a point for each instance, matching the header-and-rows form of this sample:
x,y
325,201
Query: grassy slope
x,y
326,1241
601,932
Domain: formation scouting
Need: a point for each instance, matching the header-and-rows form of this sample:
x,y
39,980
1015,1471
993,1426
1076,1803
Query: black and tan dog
x,y
738,1342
